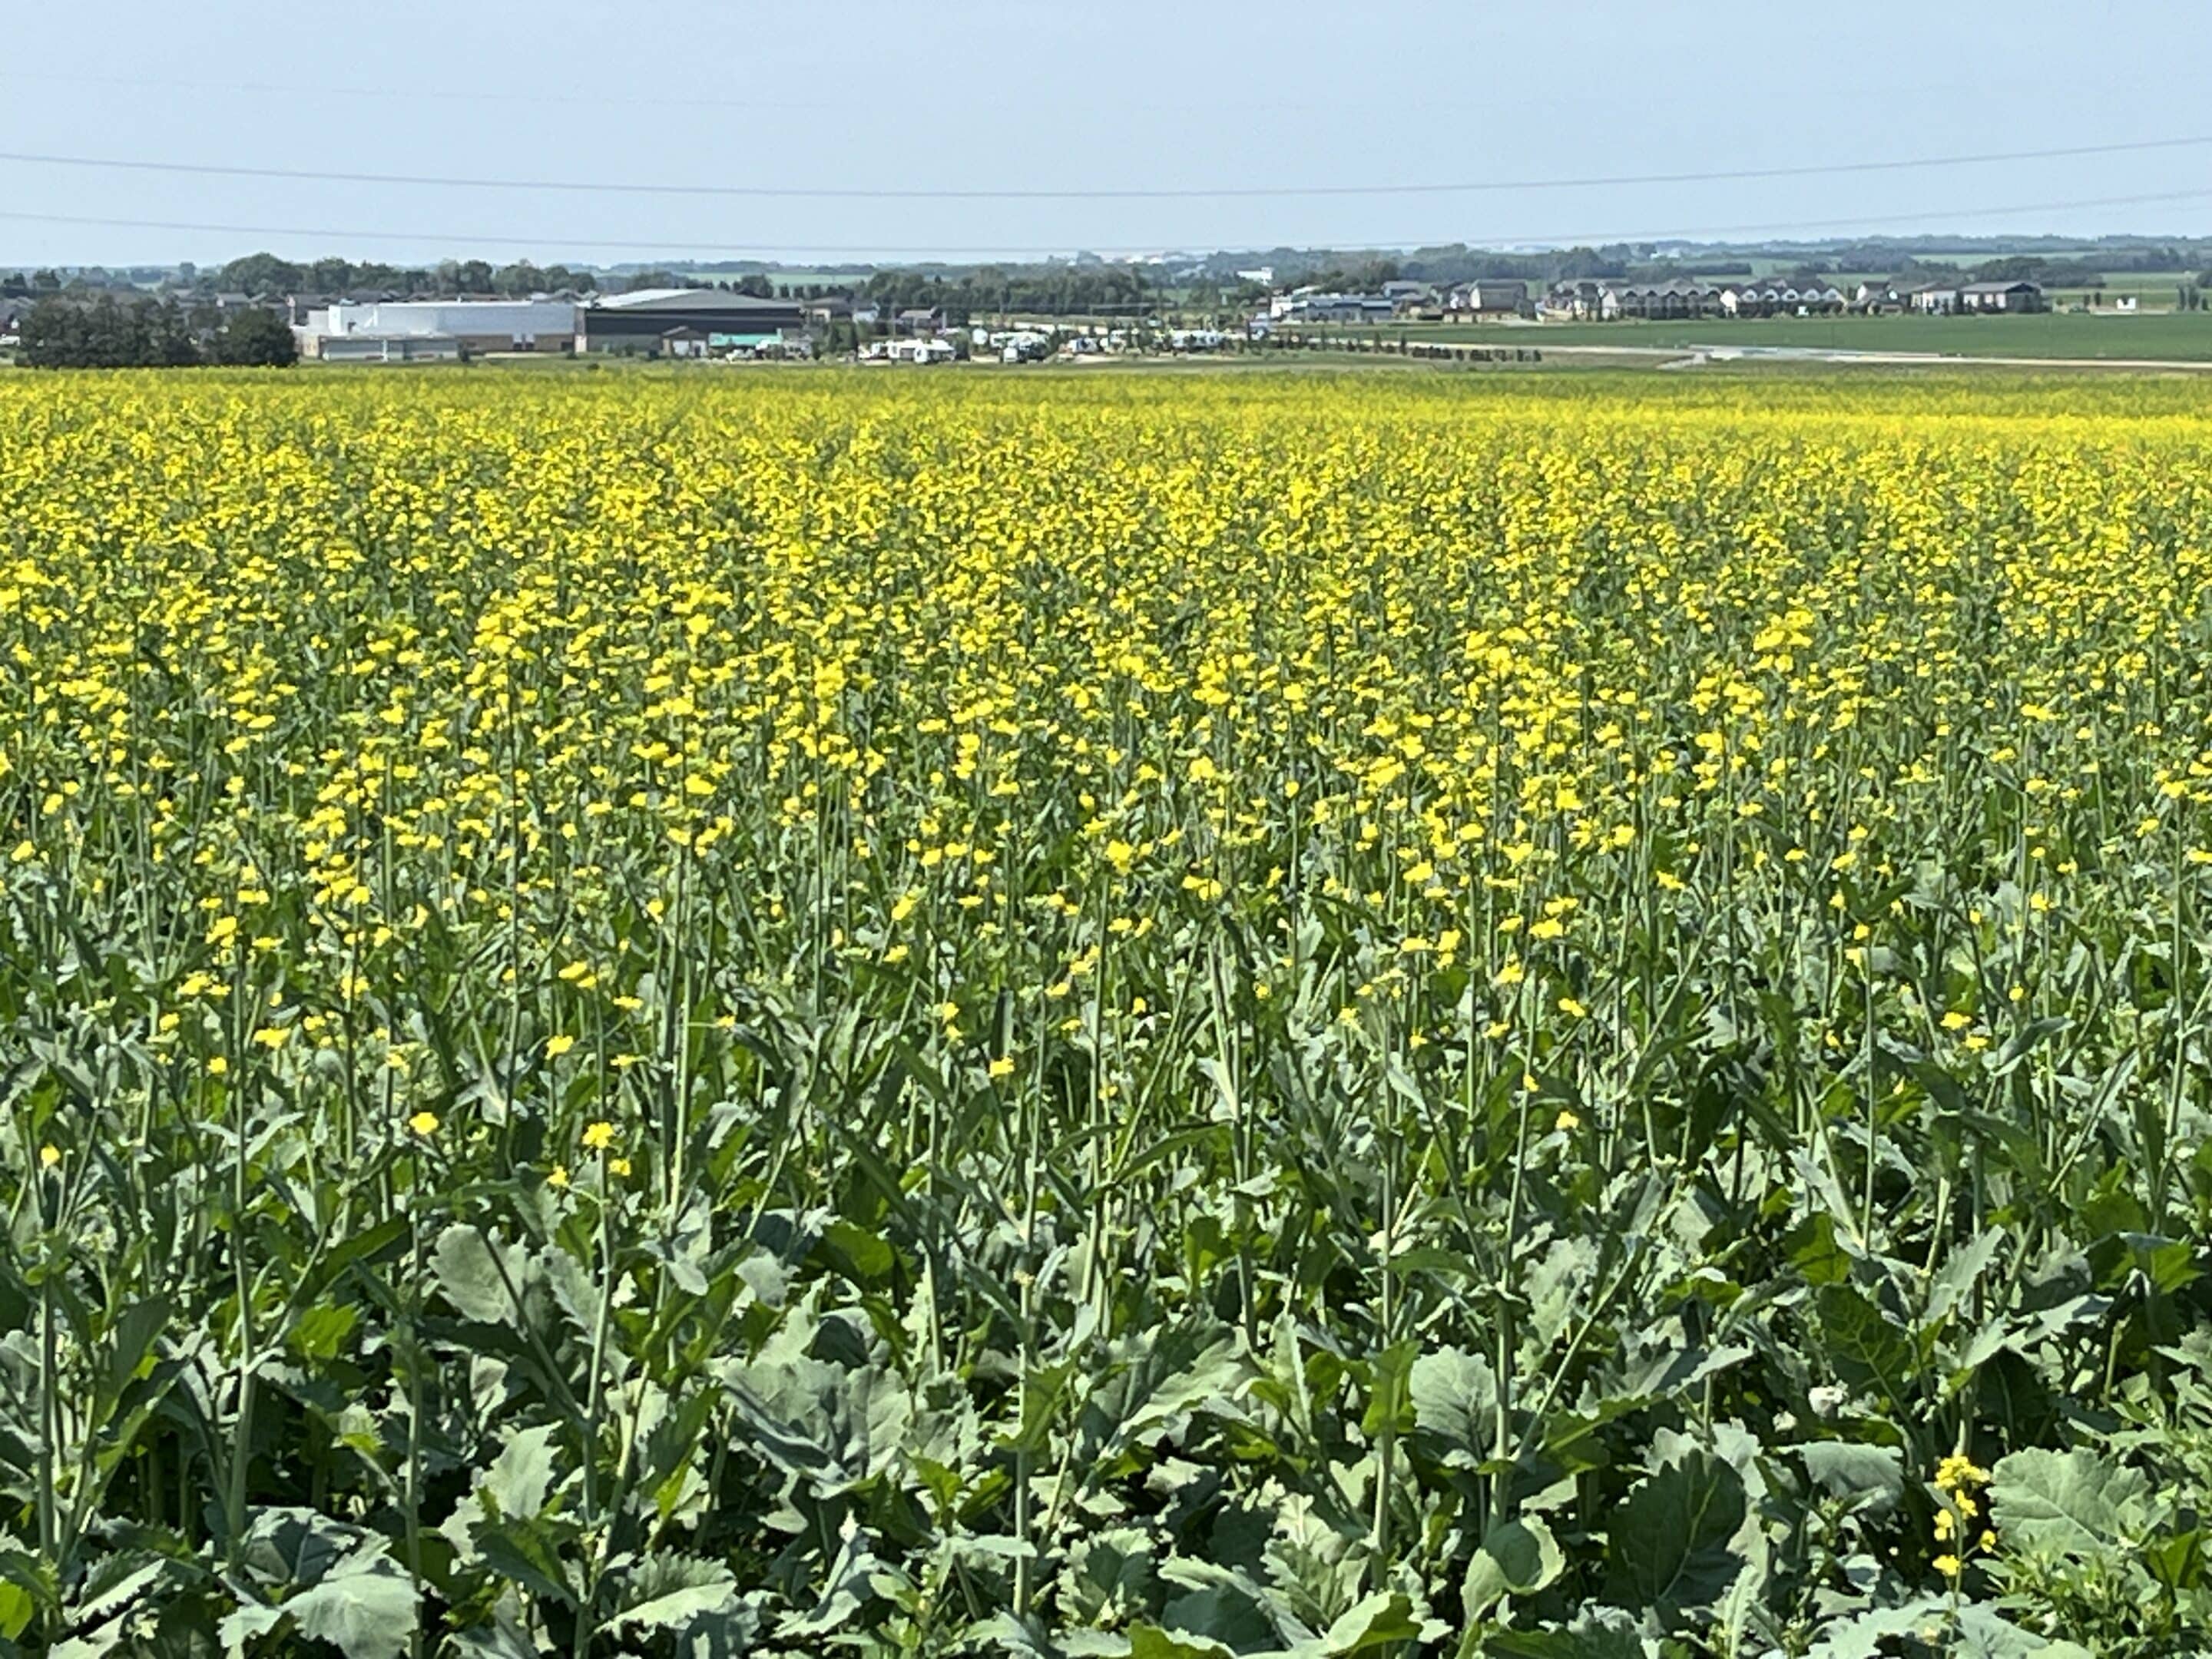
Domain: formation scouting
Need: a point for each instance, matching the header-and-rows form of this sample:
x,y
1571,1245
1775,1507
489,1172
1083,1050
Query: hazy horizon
x,y
1001,94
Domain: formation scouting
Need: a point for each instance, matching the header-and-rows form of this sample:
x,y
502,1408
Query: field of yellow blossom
x,y
1218,1015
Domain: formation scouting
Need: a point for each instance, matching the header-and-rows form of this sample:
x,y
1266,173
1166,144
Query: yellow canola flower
x,y
599,1136
424,1123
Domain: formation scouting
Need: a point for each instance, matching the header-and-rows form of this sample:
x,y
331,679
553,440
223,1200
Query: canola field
x,y
829,1014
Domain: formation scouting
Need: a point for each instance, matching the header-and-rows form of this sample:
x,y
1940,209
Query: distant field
x,y
2179,334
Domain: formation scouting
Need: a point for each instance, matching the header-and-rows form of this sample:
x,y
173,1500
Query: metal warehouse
x,y
641,321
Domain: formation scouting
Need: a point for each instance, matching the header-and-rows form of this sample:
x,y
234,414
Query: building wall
x,y
641,329
365,349
486,325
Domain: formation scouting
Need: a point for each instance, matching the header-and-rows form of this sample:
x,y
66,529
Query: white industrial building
x,y
477,325
388,349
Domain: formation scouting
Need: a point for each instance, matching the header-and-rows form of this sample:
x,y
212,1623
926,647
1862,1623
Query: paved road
x,y
1845,355
1693,357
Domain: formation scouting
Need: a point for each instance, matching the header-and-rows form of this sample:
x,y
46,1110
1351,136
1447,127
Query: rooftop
x,y
687,299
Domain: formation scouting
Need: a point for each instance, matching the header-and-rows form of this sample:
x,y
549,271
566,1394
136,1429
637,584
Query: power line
x,y
405,91
488,95
1873,226
872,193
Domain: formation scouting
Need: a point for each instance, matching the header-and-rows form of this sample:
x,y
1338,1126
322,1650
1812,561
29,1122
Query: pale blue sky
x,y
1018,94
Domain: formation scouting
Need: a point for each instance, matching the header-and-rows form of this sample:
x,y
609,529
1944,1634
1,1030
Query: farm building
x,y
639,322
478,325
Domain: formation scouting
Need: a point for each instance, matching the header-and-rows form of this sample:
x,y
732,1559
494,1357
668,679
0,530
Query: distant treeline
x,y
105,332
1052,290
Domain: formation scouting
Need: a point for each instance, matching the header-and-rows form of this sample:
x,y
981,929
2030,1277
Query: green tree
x,y
100,333
257,338
263,273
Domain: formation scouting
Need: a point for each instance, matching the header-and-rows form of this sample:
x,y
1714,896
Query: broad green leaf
x,y
366,1607
1596,1633
479,1275
1381,1620
1861,1635
1865,1348
1983,1632
1454,1397
1389,1400
16,1606
522,1473
249,1620
671,1590
1150,1642
1517,1558
1866,1474
527,1552
1669,1545
2070,1503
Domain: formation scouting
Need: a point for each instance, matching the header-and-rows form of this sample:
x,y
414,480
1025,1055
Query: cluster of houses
x,y
1605,300
1783,297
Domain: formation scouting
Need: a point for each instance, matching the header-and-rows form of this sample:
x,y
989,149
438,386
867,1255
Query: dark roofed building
x,y
642,321
2000,297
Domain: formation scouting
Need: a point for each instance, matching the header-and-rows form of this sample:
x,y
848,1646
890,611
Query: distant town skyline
x,y
1015,95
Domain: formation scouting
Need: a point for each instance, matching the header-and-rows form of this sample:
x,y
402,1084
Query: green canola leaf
x,y
1517,1558
1455,1398
2071,1503
672,1590
366,1606
475,1272
1381,1620
1669,1548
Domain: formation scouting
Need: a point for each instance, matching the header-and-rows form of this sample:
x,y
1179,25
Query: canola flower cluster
x,y
1260,1010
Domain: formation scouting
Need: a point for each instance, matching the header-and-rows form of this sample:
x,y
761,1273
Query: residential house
x,y
1583,300
2016,297
1488,297
1781,296
918,322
